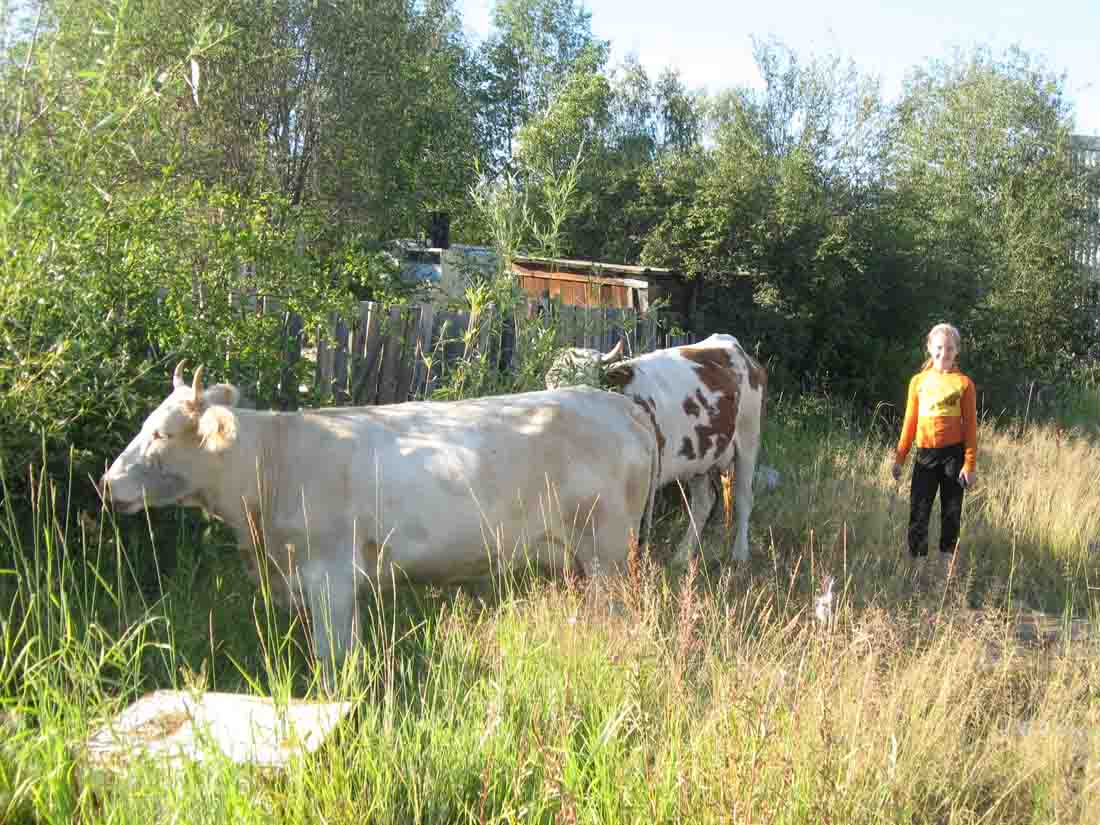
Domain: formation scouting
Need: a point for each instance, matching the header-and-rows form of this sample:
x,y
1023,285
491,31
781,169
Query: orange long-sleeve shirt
x,y
940,410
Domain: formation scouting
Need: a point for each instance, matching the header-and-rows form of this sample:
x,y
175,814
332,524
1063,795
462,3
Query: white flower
x,y
823,604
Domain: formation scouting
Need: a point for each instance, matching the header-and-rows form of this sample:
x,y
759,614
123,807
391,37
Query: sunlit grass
x,y
713,696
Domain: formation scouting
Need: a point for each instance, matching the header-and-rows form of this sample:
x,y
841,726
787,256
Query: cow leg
x,y
330,595
598,560
745,462
700,504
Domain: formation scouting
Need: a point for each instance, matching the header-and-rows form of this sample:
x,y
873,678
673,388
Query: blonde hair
x,y
947,330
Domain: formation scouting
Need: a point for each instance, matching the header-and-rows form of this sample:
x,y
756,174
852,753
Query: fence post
x,y
424,352
292,347
615,330
322,370
508,335
365,374
569,334
411,322
340,393
649,331
391,355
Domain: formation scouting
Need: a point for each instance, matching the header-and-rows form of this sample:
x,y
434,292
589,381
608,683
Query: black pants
x,y
936,468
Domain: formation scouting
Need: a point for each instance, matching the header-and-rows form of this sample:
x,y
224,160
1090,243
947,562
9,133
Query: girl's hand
x,y
967,478
895,471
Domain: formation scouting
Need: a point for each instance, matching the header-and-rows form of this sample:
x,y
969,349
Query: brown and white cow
x,y
706,402
344,498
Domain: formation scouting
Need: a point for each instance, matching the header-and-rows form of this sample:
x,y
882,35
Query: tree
x,y
776,218
980,158
627,126
535,45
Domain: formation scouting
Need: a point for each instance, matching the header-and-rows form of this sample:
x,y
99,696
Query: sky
x,y
710,41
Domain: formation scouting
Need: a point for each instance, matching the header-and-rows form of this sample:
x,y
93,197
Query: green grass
x,y
708,697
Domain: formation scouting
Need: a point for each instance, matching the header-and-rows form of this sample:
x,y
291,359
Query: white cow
x,y
706,402
343,498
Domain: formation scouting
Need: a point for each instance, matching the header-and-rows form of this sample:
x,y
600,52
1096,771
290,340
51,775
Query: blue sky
x,y
709,41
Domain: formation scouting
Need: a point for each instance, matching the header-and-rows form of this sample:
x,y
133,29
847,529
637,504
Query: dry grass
x,y
715,696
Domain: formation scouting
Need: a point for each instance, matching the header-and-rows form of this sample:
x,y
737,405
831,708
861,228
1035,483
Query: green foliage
x,y
499,310
535,46
794,247
115,266
834,232
396,132
982,166
157,157
628,127
102,297
548,700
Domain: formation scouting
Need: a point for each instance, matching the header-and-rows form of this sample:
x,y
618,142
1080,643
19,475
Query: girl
x,y
940,415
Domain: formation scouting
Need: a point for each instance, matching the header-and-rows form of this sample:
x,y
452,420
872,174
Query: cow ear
x,y
217,428
225,394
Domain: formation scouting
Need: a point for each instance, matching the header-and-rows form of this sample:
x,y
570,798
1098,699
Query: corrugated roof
x,y
595,267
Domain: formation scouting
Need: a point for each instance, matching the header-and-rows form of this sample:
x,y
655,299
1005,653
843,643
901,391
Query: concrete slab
x,y
182,725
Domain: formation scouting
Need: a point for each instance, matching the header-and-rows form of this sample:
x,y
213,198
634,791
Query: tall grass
x,y
710,697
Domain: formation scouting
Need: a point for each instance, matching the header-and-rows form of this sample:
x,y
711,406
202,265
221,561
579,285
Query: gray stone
x,y
183,725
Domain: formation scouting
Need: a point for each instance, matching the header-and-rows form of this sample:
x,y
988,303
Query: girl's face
x,y
943,351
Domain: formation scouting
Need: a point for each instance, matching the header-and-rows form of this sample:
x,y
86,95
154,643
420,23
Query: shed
x,y
597,283
573,282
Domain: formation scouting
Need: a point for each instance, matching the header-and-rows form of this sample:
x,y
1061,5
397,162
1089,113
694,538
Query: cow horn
x,y
177,376
196,384
614,355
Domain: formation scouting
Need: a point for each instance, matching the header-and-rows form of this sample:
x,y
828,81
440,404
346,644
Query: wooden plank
x,y
340,391
648,336
576,325
457,325
605,329
359,335
439,353
566,326
365,375
322,373
557,318
630,333
447,344
410,318
391,357
484,340
424,354
292,354
614,328
509,333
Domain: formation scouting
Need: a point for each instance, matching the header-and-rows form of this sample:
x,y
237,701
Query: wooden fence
x,y
387,355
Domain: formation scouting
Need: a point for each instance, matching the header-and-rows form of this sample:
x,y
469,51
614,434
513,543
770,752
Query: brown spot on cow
x,y
650,406
687,450
691,407
715,370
